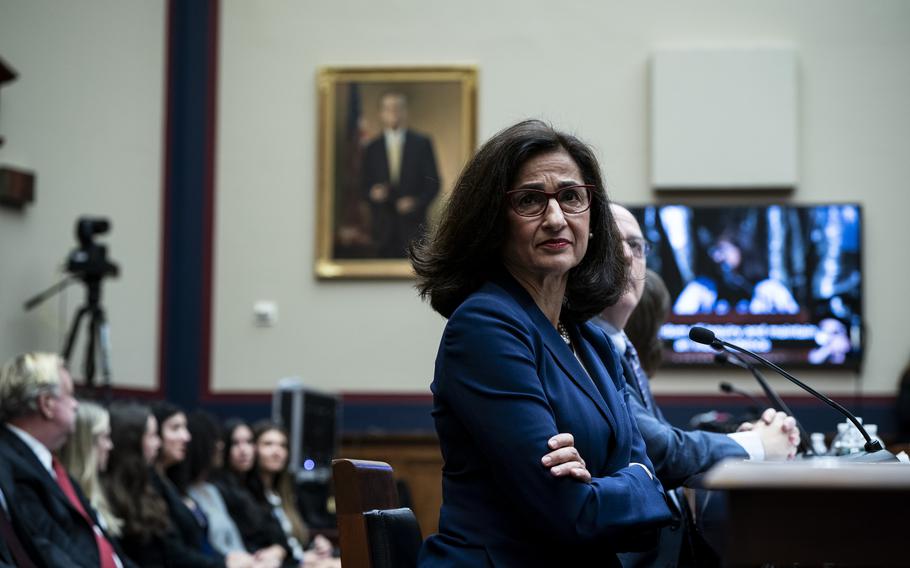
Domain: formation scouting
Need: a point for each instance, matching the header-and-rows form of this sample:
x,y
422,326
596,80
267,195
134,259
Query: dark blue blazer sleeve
x,y
679,454
487,371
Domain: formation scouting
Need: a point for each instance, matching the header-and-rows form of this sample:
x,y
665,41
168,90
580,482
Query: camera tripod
x,y
89,264
98,345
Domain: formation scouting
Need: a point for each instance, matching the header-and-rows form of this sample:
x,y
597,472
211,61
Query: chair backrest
x,y
366,490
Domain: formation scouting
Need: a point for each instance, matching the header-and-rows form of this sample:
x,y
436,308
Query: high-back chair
x,y
373,531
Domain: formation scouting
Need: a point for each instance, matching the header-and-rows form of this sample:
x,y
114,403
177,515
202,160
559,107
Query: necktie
x,y
12,541
394,153
105,550
631,356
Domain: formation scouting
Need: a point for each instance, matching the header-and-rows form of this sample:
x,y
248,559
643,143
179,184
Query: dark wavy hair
x,y
645,321
127,480
227,437
465,250
205,433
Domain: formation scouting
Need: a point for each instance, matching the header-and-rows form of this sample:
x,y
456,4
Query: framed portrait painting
x,y
392,141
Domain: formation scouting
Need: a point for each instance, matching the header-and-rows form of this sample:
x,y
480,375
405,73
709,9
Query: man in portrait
x,y
399,179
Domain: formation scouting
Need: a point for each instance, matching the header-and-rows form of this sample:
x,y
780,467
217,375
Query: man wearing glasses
x,y
37,415
677,454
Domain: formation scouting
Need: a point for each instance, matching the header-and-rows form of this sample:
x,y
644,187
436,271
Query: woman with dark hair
x,y
189,522
272,484
259,530
644,323
525,253
145,525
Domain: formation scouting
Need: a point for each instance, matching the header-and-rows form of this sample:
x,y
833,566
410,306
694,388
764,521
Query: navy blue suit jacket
x,y
505,382
677,454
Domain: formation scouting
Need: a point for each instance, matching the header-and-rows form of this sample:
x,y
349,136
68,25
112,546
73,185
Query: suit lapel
x,y
28,459
557,348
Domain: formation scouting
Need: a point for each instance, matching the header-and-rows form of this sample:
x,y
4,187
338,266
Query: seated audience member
x,y
259,529
272,485
186,517
204,456
148,535
38,411
85,456
677,455
14,550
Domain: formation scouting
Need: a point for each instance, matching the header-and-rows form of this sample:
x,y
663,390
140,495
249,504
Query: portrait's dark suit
x,y
678,455
506,382
55,529
418,178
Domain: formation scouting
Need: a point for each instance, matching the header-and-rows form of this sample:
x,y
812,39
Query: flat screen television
x,y
784,281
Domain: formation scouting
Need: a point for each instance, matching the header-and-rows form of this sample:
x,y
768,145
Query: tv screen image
x,y
784,281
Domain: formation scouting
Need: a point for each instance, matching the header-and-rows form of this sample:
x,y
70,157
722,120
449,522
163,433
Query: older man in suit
x,y
14,550
677,454
399,179
38,413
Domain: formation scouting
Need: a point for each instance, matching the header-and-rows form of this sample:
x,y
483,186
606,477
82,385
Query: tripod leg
x,y
104,348
71,336
90,349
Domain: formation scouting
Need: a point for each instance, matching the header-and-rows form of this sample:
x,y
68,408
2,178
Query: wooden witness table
x,y
814,512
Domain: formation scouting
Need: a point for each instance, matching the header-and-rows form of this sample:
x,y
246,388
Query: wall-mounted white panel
x,y
724,118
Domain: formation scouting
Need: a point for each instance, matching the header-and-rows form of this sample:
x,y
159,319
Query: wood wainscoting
x,y
416,460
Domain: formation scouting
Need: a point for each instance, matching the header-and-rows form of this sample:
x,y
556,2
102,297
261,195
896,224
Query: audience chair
x,y
373,531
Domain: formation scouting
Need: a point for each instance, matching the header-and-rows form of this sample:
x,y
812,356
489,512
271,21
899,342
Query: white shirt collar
x,y
393,136
40,450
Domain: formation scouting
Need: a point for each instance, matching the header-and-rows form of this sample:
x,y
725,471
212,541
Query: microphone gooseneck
x,y
725,357
730,389
707,337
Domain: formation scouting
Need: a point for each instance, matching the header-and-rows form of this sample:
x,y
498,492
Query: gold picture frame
x,y
392,141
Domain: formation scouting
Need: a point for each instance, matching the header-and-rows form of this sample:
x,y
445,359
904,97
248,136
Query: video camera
x,y
89,261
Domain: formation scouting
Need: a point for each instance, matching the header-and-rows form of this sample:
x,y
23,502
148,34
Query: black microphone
x,y
730,389
777,402
707,337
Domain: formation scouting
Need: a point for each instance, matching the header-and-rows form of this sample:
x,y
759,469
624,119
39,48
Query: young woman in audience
x,y
134,432
258,528
186,517
204,457
85,456
272,485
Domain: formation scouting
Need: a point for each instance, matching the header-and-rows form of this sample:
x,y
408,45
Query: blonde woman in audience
x,y
85,456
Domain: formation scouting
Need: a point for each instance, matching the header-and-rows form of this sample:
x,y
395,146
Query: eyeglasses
x,y
639,246
572,199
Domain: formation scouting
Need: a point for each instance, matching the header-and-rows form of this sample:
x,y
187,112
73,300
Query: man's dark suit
x,y
417,178
49,522
677,455
12,516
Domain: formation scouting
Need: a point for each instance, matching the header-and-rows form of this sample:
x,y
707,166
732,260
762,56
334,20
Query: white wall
x,y
85,115
582,65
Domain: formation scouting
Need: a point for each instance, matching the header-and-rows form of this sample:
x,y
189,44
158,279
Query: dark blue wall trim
x,y
188,147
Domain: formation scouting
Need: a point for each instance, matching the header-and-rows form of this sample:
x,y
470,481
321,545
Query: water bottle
x,y
849,440
817,442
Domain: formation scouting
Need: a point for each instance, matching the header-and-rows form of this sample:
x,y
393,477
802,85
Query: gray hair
x,y
23,379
